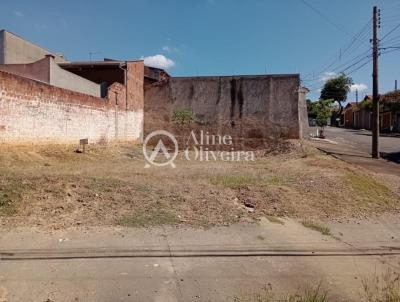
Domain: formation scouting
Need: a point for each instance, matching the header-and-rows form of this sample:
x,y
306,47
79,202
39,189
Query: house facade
x,y
359,115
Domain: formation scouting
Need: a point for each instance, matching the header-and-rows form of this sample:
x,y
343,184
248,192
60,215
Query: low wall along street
x,y
35,112
254,109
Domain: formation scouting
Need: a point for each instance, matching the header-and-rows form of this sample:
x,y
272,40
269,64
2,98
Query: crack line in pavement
x,y
360,250
199,256
170,257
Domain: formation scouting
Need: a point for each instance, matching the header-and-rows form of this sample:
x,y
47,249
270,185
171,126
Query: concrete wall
x,y
129,73
250,107
34,112
46,70
2,45
304,130
15,50
39,70
65,79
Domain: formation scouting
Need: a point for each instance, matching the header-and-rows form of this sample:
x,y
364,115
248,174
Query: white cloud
x,y
18,14
327,76
170,49
158,61
360,87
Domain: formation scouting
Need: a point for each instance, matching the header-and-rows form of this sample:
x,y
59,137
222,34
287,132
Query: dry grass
x,y
234,181
10,196
317,227
154,217
385,288
275,220
368,189
309,294
377,288
52,186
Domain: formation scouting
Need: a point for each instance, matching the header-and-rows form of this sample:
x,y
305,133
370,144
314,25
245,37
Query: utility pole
x,y
375,91
395,85
356,96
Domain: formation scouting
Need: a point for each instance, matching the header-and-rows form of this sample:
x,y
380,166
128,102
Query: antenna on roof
x,y
91,53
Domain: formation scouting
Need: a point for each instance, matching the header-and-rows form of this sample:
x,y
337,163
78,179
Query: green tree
x,y
312,113
337,89
323,111
310,108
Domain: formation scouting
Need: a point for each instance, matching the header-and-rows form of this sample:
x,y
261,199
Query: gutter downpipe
x,y
126,83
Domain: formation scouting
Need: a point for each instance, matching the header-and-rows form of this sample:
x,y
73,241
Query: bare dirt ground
x,y
52,187
63,235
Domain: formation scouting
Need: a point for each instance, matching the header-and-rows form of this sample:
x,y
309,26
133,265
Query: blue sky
x,y
215,37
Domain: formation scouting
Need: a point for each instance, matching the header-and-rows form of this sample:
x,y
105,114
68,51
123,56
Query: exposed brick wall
x,y
116,94
32,111
135,82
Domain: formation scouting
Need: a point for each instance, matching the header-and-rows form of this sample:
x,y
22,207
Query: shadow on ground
x,y
333,153
357,132
393,157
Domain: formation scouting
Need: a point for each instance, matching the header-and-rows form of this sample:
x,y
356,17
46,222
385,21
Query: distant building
x,y
359,116
349,114
390,111
16,50
26,59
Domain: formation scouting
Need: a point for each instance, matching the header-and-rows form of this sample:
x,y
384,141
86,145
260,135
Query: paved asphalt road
x,y
362,140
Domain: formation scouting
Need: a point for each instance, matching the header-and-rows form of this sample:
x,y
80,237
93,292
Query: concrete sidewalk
x,y
174,264
351,154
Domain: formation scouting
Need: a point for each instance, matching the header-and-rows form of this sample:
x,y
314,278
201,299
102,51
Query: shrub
x,y
183,116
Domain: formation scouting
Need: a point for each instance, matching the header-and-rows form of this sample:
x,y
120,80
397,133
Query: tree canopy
x,y
323,111
336,89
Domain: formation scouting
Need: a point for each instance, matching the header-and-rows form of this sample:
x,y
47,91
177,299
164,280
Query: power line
x,y
392,49
359,61
322,15
359,67
349,62
362,34
393,40
396,27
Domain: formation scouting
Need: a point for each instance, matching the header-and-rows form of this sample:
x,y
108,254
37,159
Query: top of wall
x,y
294,75
94,64
16,50
18,85
68,80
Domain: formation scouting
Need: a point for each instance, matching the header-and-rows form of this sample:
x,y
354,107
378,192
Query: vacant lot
x,y
54,187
